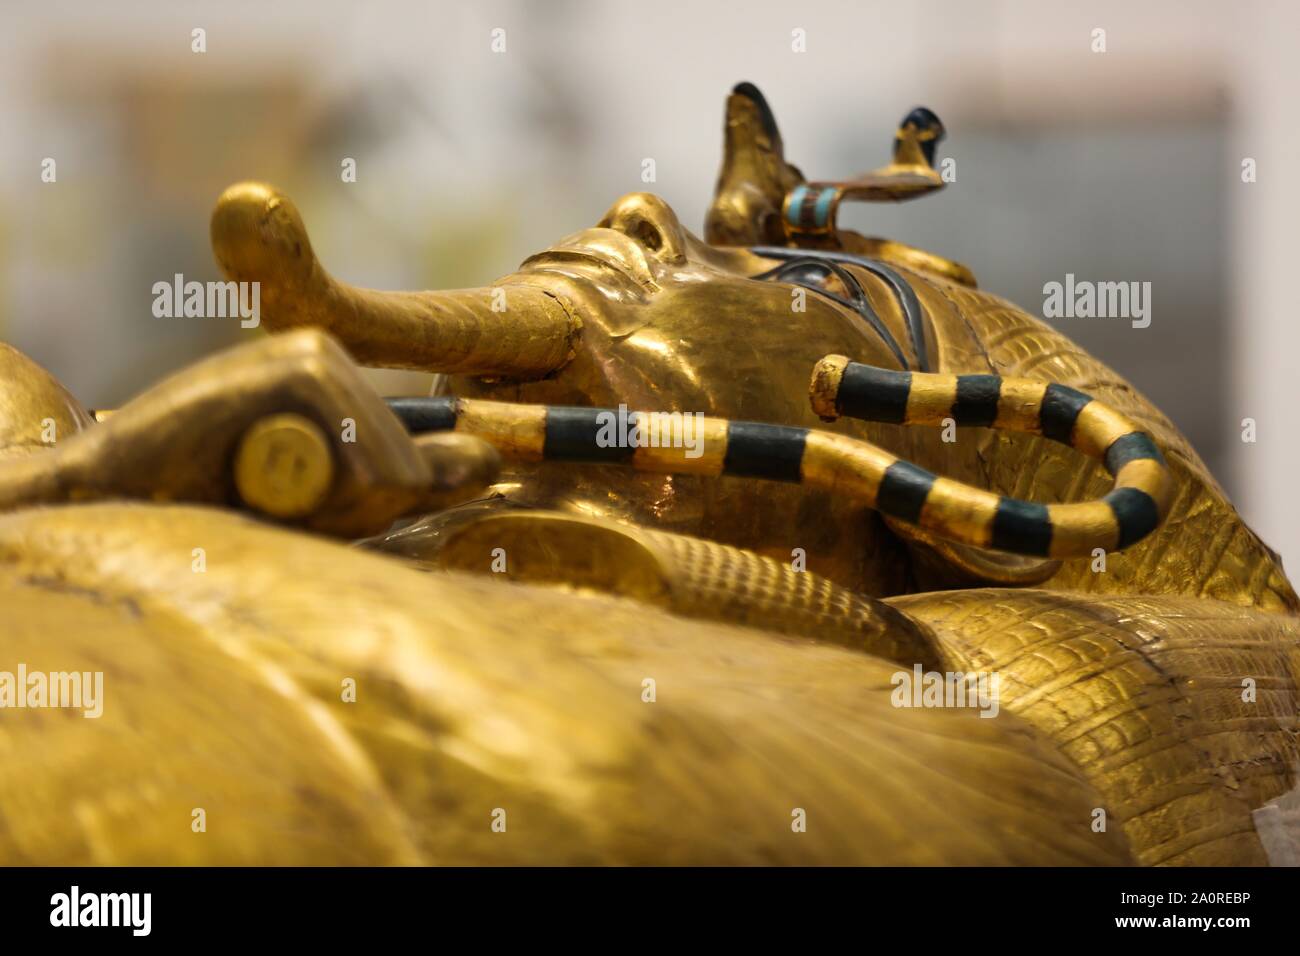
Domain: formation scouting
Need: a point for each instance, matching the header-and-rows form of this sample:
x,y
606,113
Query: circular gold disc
x,y
284,466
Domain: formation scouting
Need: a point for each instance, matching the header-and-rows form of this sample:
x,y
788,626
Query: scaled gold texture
x,y
370,643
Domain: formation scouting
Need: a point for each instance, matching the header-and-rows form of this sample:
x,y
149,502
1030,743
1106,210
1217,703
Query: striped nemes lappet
x,y
860,470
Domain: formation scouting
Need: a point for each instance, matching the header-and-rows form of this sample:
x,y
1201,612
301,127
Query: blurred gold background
x,y
1115,166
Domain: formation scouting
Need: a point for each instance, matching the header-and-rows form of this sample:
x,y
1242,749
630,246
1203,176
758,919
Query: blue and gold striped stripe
x,y
862,471
1128,513
810,207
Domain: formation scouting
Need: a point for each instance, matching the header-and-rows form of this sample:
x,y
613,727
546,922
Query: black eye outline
x,y
904,293
805,272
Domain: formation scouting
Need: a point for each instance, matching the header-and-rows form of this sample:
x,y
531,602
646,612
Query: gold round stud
x,y
284,466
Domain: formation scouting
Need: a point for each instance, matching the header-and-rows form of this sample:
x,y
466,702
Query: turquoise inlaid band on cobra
x,y
809,207
794,208
822,211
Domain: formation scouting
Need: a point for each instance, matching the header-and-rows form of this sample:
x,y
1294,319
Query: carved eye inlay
x,y
832,281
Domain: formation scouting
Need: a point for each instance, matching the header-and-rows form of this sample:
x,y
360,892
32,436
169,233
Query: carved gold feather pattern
x,y
1145,696
1203,548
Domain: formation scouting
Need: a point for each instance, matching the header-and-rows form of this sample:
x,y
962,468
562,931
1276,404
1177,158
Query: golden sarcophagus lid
x,y
781,545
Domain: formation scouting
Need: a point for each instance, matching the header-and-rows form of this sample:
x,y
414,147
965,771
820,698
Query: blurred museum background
x,y
1117,166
